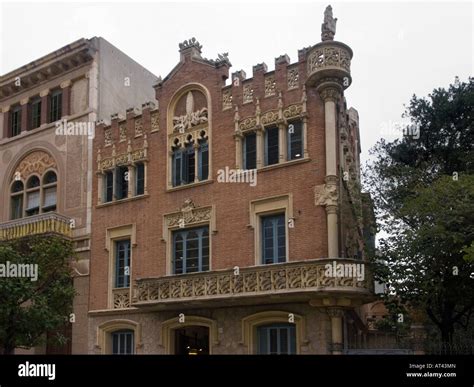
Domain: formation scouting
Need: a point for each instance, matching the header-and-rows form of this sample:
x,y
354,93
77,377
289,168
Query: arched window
x,y
38,196
49,191
17,199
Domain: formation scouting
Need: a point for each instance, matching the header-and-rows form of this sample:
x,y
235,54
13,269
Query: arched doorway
x,y
191,340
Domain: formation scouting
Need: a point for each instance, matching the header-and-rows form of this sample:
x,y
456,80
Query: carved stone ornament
x,y
191,118
328,28
226,100
155,122
36,162
325,195
293,78
189,214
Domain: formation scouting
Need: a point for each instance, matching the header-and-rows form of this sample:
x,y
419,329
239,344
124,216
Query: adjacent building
x,y
49,108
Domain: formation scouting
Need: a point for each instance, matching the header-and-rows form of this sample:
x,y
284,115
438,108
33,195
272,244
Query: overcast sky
x,y
400,48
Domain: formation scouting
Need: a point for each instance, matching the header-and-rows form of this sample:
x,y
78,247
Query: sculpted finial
x,y
328,28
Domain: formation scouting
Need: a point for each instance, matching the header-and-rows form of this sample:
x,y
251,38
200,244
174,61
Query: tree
x,y
423,189
29,308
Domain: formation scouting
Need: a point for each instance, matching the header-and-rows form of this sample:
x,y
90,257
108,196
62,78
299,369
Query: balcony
x,y
293,281
47,223
329,61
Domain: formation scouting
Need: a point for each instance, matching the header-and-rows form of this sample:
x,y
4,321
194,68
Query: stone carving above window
x,y
191,118
226,100
293,111
188,215
269,117
293,78
108,136
248,93
123,132
270,86
35,162
155,122
138,127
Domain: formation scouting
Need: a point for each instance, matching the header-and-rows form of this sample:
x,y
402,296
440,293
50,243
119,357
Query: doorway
x,y
191,340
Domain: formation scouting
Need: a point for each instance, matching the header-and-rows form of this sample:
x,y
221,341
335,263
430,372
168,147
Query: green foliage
x,y
424,195
28,309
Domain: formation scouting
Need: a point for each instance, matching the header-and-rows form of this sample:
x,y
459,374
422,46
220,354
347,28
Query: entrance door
x,y
191,340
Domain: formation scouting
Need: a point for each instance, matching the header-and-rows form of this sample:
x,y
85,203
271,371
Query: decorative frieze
x,y
226,99
247,93
269,117
35,162
108,137
293,78
122,132
270,86
293,111
138,127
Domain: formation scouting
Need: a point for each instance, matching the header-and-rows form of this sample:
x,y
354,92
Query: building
x,y
228,219
48,112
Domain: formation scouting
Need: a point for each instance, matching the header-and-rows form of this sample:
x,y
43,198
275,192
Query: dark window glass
x,y
250,151
123,342
17,186
276,339
50,178
108,186
273,239
177,167
33,182
271,146
17,206
189,165
15,120
191,250
140,179
35,119
122,264
55,106
203,165
121,183
295,140
183,165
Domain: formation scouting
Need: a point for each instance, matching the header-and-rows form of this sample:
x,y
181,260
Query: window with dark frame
x,y
250,151
33,196
123,342
108,186
184,164
122,264
49,192
121,183
15,121
55,106
276,339
17,200
295,140
203,160
191,250
139,179
271,145
273,236
35,113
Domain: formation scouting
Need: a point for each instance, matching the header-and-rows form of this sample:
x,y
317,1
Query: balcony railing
x,y
49,222
306,278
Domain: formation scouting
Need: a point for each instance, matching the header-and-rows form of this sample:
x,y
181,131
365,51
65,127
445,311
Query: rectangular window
x,y
32,203
250,151
203,162
122,264
55,106
273,235
17,207
122,342
177,167
49,198
189,160
140,179
121,183
183,165
15,120
35,114
191,250
295,140
276,339
271,145
108,186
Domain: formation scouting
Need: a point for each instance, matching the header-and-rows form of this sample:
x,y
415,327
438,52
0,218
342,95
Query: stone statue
x,y
328,28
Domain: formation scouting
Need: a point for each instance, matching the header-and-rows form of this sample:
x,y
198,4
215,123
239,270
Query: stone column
x,y
100,187
44,106
196,160
329,194
282,149
24,114
66,88
336,315
131,181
